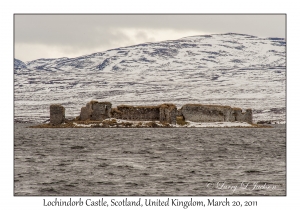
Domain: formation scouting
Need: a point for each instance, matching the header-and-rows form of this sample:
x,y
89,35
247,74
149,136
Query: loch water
x,y
149,161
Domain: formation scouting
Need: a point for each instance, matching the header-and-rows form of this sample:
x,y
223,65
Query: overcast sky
x,y
54,36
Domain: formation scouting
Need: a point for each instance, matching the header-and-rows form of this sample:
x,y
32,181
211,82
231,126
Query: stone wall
x,y
95,110
57,114
205,113
101,111
215,113
139,113
167,113
115,113
164,113
86,112
243,116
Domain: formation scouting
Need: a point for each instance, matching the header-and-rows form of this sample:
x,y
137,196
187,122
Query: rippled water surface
x,y
154,161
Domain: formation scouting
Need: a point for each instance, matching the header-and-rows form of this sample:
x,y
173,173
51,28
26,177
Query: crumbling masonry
x,y
101,110
215,113
167,113
95,110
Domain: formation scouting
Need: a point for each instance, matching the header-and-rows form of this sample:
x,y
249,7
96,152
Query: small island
x,y
101,115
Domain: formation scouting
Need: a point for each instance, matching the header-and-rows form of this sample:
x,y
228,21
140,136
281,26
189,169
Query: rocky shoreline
x,y
116,123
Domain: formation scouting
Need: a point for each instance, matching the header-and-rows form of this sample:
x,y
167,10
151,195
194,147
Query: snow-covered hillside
x,y
19,64
228,69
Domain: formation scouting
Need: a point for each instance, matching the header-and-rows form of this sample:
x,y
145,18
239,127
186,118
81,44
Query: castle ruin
x,y
166,113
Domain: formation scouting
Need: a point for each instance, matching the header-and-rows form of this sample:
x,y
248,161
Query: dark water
x,y
169,161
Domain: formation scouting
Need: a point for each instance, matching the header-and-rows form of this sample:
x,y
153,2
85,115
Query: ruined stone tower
x,y
95,110
57,114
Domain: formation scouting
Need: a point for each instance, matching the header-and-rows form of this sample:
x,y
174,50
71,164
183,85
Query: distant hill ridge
x,y
230,50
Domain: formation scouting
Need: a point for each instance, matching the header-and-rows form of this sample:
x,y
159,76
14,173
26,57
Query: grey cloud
x,y
83,32
68,28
